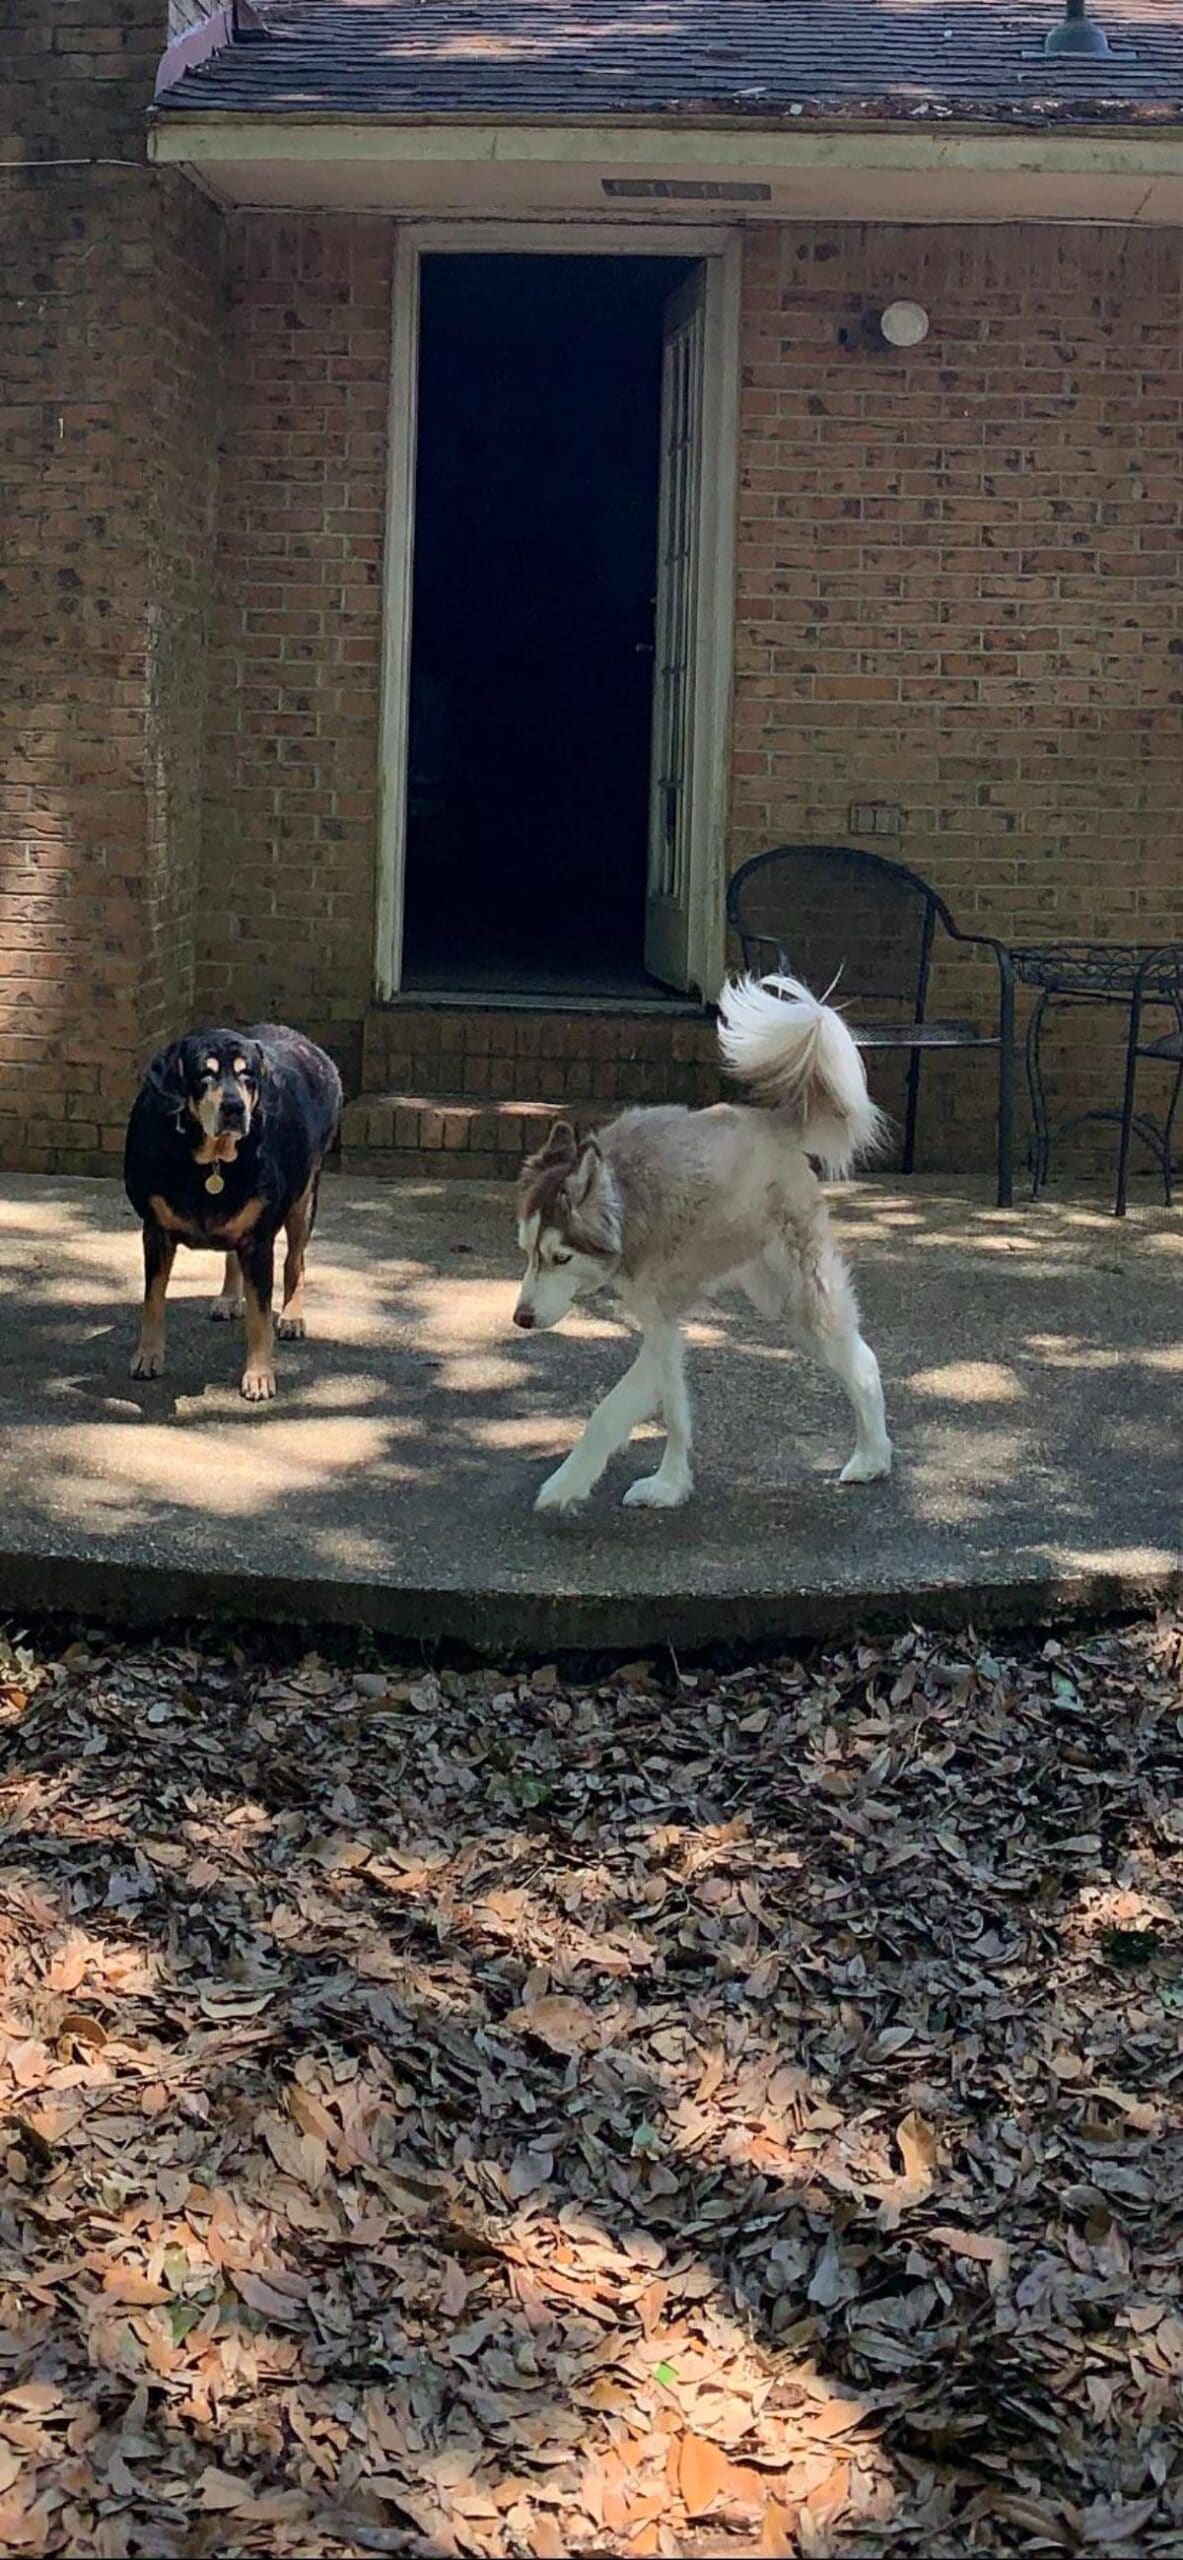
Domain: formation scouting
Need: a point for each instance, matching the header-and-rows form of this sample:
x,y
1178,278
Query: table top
x,y
1100,968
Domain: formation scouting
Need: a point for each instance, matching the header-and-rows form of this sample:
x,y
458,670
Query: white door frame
x,y
720,250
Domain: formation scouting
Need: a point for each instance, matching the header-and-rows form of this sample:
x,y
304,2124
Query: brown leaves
x,y
126,2284
519,2114
983,2246
563,2025
917,2145
703,2474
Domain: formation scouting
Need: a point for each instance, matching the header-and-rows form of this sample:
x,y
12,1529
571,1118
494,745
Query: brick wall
x,y
292,742
107,313
958,593
959,587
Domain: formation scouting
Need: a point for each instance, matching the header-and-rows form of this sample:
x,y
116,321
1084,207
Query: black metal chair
x,y
1158,981
829,913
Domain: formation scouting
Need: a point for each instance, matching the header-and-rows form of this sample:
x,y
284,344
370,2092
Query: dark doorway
x,y
532,632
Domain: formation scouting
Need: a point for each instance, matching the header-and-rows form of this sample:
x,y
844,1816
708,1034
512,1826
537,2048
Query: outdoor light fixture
x,y
901,324
904,324
1077,33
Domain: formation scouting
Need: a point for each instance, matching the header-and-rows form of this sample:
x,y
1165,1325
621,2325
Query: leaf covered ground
x,y
665,2112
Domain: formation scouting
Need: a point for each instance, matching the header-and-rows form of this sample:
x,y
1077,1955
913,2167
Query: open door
x,y
672,833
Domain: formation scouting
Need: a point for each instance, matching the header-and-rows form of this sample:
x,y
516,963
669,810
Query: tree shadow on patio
x,y
1029,1362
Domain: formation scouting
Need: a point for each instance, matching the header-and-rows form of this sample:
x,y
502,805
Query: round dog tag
x,y
214,1182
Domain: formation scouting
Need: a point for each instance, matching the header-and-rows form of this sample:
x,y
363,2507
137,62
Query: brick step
x,y
494,1055
453,1135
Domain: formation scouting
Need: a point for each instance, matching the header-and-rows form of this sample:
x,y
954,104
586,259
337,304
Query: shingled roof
x,y
552,60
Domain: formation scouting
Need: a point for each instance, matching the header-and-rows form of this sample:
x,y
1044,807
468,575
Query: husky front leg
x,y
673,1482
853,1362
630,1401
826,1325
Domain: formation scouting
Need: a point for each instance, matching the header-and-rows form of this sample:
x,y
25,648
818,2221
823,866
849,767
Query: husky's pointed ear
x,y
562,1145
586,1172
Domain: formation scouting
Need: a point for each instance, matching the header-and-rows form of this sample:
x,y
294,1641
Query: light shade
x,y
904,324
1077,33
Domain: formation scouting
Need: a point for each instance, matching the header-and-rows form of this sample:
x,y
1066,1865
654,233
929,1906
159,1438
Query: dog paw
x,y
867,1466
561,1492
290,1329
258,1385
147,1364
658,1493
224,1310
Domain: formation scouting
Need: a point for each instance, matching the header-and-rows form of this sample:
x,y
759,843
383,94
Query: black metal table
x,y
1090,973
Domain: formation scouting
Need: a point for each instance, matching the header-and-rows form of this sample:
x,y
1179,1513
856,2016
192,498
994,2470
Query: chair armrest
x,y
981,941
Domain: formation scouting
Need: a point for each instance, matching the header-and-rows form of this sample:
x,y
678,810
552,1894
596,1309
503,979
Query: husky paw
x,y
147,1364
290,1329
867,1466
224,1310
561,1492
258,1385
658,1493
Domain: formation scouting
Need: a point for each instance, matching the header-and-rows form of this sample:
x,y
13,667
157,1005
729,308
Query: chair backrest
x,y
832,912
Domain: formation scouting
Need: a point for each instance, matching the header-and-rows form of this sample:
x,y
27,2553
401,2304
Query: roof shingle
x,y
551,60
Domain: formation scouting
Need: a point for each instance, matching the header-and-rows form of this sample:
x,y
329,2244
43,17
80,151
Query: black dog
x,y
225,1144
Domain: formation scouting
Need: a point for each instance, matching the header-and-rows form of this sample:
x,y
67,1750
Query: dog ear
x,y
562,1145
586,1172
559,1150
168,1074
258,1058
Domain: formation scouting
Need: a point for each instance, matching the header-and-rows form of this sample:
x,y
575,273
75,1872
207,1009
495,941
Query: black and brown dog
x,y
225,1145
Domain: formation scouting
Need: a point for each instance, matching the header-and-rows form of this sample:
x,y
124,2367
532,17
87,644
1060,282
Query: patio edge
x,y
489,1623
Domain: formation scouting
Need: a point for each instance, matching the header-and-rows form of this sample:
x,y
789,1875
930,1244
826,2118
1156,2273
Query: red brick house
x,y
332,350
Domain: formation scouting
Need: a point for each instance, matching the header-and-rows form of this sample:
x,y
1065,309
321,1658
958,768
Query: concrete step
x,y
454,1136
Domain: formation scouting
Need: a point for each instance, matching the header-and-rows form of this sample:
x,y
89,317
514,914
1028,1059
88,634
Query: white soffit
x,y
532,171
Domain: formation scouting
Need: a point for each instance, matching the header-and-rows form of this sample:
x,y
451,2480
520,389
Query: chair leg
x,y
1168,1130
1006,1092
911,1113
1127,1105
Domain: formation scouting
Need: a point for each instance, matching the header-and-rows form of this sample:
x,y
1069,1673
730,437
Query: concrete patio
x,y
1033,1362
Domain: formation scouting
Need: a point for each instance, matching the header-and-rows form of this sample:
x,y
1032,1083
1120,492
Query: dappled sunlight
x,y
1145,1565
155,1463
1027,1356
1064,1351
968,1382
652,2110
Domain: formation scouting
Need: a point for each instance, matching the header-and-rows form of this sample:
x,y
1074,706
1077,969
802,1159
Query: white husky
x,y
669,1204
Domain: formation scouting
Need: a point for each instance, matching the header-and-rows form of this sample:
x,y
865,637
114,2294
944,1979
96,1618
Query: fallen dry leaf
x,y
703,2474
502,2117
778,2538
916,2142
565,2025
984,2246
127,2284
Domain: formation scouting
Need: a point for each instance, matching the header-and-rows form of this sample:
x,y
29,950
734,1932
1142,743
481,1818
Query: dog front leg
x,y
229,1302
290,1326
613,1423
160,1253
673,1482
257,1259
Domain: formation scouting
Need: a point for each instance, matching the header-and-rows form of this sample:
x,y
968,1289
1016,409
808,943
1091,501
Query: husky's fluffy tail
x,y
796,1052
